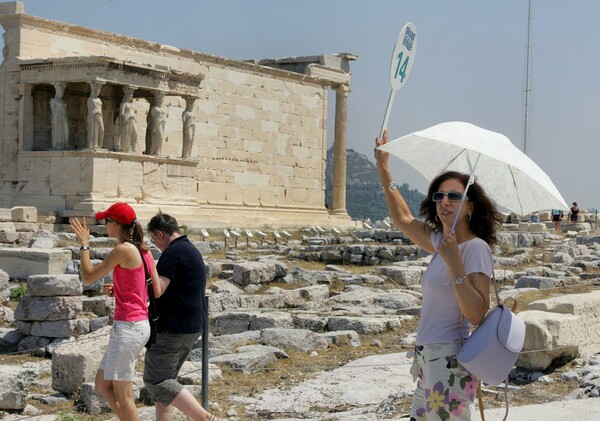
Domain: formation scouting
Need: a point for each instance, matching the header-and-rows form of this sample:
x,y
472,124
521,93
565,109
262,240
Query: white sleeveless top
x,y
440,314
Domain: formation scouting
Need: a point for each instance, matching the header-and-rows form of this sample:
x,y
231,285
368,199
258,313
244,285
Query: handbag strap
x,y
153,313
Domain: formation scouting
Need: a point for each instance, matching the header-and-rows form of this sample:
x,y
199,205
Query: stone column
x,y
26,118
338,204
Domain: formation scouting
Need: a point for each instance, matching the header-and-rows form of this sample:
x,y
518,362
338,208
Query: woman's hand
x,y
81,230
448,249
109,289
381,157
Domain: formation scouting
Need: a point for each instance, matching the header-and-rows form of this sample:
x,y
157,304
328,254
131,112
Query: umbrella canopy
x,y
509,177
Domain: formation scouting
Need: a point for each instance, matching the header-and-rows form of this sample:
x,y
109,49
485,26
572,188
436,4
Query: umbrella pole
x,y
471,181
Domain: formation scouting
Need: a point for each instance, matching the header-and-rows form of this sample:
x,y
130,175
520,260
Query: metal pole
x,y
527,90
205,357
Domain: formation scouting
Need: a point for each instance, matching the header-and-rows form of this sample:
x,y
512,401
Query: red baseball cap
x,y
120,212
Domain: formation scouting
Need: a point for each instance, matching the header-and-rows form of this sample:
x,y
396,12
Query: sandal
x,y
213,418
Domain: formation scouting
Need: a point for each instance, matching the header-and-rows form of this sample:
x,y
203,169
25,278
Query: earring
x,y
437,218
469,217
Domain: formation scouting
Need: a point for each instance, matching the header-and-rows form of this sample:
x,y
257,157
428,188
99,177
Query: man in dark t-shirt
x,y
181,319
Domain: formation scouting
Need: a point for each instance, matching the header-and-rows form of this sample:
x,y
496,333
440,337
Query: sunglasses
x,y
453,196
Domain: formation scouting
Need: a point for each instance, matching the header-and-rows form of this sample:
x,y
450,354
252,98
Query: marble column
x,y
338,204
26,117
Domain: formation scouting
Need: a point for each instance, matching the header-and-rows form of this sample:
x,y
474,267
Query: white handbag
x,y
493,348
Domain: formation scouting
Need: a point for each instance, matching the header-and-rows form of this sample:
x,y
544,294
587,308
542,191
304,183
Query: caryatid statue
x,y
127,126
60,124
159,121
95,122
189,127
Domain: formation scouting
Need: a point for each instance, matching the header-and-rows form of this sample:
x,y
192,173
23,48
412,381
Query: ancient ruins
x,y
90,117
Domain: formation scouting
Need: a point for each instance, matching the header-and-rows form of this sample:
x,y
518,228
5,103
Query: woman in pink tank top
x,y
130,330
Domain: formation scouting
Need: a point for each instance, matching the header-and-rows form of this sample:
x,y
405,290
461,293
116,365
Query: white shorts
x,y
126,341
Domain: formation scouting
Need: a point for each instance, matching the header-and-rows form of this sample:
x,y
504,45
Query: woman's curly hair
x,y
485,218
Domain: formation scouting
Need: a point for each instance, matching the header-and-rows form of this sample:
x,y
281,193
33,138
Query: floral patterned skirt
x,y
445,390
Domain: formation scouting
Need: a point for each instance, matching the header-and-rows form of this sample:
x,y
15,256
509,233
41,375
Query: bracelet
x,y
84,247
459,280
391,186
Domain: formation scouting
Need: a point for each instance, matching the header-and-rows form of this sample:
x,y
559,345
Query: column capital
x,y
128,90
341,88
96,83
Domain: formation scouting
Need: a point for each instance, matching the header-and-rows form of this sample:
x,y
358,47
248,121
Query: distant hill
x,y
364,198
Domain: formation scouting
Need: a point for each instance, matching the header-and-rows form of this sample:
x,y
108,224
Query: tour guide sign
x,y
401,63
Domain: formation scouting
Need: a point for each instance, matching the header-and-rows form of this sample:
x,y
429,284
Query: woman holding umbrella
x,y
455,285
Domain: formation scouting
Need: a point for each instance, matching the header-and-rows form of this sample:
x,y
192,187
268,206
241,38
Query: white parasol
x,y
509,177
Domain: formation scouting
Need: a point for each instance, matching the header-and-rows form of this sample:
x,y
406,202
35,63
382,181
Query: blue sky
x,y
469,66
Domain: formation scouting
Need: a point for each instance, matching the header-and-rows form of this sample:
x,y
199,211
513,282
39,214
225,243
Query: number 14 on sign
x,y
401,64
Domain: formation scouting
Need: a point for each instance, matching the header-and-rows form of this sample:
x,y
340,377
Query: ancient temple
x,y
89,118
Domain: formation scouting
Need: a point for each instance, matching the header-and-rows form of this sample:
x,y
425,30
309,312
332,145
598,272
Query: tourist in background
x,y
455,284
574,213
557,216
181,319
130,330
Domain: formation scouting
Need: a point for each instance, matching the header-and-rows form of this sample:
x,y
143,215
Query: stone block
x,y
230,322
75,363
537,227
54,285
5,214
342,338
560,326
268,320
294,339
363,325
48,308
253,273
24,214
555,334
403,275
20,263
8,233
14,387
61,328
12,7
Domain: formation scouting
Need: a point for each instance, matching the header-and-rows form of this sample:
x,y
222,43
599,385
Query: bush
x,y
17,293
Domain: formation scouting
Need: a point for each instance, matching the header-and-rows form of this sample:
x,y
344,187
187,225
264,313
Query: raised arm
x,y
90,273
417,231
